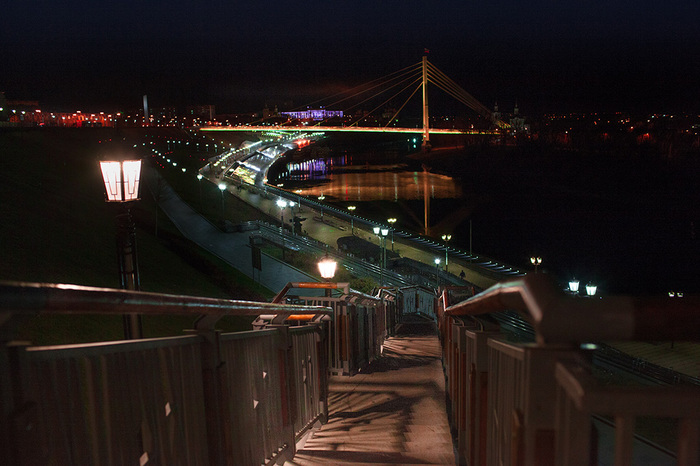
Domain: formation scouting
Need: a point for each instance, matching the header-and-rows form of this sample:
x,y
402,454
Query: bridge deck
x,y
392,413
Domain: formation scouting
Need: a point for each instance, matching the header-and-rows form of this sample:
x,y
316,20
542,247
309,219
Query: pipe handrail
x,y
561,318
40,298
279,297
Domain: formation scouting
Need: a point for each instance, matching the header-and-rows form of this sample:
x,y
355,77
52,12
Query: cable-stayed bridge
x,y
379,95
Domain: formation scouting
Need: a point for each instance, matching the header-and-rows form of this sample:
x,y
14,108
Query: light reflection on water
x,y
385,185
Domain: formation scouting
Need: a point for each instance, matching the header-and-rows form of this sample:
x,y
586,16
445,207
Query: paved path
x,y
234,248
682,356
331,228
391,413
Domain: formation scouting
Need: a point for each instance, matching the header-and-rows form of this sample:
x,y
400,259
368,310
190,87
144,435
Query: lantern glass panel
x,y
132,179
112,175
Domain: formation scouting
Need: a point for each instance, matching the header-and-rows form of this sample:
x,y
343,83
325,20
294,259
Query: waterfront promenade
x,y
234,248
328,229
392,413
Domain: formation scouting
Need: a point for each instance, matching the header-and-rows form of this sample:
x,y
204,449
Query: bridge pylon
x,y
425,145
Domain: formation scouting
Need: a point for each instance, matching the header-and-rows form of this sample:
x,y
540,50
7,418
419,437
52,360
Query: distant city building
x,y
204,112
496,115
267,113
517,122
314,114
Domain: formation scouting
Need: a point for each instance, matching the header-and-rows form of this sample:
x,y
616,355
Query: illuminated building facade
x,y
314,114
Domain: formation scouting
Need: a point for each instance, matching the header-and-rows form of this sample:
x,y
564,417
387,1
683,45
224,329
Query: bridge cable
x,y
370,97
387,100
386,78
375,95
404,104
438,75
415,73
444,82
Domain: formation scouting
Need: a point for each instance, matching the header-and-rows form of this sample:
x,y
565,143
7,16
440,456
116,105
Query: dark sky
x,y
641,55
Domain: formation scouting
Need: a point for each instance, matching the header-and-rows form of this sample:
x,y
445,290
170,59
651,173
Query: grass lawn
x,y
56,228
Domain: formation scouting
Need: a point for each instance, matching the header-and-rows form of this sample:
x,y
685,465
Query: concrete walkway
x,y
391,413
328,229
234,248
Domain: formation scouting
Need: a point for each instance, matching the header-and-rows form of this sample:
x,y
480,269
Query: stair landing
x,y
391,413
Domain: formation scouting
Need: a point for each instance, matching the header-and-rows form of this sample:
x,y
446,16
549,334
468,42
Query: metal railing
x,y
361,322
206,398
536,403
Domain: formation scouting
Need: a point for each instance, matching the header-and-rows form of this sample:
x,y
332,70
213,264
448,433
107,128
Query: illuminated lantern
x,y
326,267
122,180
573,286
591,289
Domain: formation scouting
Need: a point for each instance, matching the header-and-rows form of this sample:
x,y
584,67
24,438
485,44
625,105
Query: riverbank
x,y
628,223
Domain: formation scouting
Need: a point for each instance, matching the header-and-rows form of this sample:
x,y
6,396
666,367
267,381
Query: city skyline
x,y
549,57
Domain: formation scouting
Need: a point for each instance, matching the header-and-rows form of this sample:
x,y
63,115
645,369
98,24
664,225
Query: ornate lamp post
x,y
446,238
326,268
536,261
122,179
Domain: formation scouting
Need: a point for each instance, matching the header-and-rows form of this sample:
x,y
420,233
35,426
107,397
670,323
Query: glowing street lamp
x,y
391,222
591,289
199,182
352,208
222,188
321,198
122,179
574,286
437,272
536,261
282,204
326,267
446,238
381,233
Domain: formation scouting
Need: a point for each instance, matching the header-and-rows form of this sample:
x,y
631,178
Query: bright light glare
x,y
591,289
121,180
111,173
326,267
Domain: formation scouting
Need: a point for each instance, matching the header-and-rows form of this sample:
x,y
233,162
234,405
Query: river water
x,y
627,229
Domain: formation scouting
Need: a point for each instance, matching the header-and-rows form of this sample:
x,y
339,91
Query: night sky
x,y
552,56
